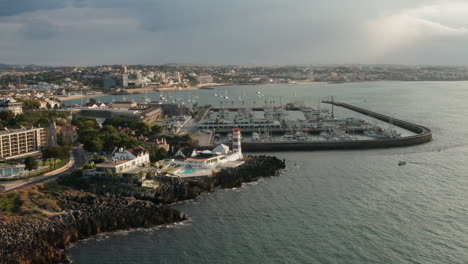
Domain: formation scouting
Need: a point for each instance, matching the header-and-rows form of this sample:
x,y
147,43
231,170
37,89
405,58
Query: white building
x,y
204,78
125,161
10,104
22,142
221,156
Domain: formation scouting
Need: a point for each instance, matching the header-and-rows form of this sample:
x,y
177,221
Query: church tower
x,y
52,133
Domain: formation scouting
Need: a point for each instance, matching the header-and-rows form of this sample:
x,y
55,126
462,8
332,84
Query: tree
x,y
155,153
109,173
142,128
62,140
31,163
156,129
92,101
56,153
98,160
29,104
7,118
95,145
46,155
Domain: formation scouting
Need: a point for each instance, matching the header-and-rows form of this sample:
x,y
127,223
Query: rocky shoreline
x,y
174,190
42,240
29,240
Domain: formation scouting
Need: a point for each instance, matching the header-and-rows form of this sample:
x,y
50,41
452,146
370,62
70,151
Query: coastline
x,y
141,90
167,89
85,213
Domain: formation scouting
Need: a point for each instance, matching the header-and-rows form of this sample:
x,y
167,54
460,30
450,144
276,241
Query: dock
x,y
423,135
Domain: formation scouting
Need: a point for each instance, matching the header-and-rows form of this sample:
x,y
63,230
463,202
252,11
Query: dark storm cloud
x,y
16,7
239,31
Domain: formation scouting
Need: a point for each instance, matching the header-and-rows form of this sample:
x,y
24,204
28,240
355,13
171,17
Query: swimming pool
x,y
188,171
11,171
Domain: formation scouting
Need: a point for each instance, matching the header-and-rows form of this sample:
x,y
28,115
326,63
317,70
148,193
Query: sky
x,y
243,32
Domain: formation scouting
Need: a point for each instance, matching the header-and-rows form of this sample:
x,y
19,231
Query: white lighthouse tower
x,y
236,142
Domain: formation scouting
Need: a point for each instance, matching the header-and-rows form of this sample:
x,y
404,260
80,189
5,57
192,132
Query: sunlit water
x,y
333,206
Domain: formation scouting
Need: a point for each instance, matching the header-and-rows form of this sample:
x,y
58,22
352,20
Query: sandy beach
x,y
142,90
171,88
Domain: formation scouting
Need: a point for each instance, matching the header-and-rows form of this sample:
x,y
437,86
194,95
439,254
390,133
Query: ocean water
x,y
330,206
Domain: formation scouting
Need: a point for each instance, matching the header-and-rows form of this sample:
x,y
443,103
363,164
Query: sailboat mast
x,y
333,108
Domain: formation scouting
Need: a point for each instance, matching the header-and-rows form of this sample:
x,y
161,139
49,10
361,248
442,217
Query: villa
x,y
124,161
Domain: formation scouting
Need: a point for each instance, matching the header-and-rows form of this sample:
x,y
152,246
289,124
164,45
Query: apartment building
x,y
20,143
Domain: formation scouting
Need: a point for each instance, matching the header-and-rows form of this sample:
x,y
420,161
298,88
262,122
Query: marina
x,y
296,126
285,121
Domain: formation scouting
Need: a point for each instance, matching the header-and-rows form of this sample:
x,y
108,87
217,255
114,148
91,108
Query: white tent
x,y
223,149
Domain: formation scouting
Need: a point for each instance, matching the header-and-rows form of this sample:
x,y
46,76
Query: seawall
x,y
423,135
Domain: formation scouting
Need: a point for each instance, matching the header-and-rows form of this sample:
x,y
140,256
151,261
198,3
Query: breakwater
x,y
423,135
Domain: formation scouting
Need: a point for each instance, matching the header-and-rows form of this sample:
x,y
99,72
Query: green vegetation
x,y
27,119
156,154
106,138
139,128
186,137
10,203
29,104
96,139
76,180
56,153
31,163
89,166
53,164
41,199
98,160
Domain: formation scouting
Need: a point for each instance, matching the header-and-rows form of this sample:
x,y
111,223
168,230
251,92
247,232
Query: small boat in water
x,y
255,136
288,136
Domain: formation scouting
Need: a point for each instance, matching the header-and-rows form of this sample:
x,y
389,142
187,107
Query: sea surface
x,y
329,206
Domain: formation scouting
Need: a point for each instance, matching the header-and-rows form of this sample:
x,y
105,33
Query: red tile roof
x,y
137,151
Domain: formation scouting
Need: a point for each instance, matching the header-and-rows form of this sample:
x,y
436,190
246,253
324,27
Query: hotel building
x,y
21,143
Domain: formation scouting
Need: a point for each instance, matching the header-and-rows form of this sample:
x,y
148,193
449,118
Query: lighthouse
x,y
236,142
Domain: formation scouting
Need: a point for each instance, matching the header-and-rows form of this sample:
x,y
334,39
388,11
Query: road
x,y
78,157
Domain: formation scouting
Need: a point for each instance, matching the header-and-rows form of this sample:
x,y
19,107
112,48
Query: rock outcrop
x,y
29,240
174,190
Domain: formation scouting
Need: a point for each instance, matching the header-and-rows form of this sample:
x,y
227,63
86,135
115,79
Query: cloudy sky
x,y
249,32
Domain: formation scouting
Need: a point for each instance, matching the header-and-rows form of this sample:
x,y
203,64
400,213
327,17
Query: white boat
x,y
393,134
386,134
289,136
375,134
255,136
